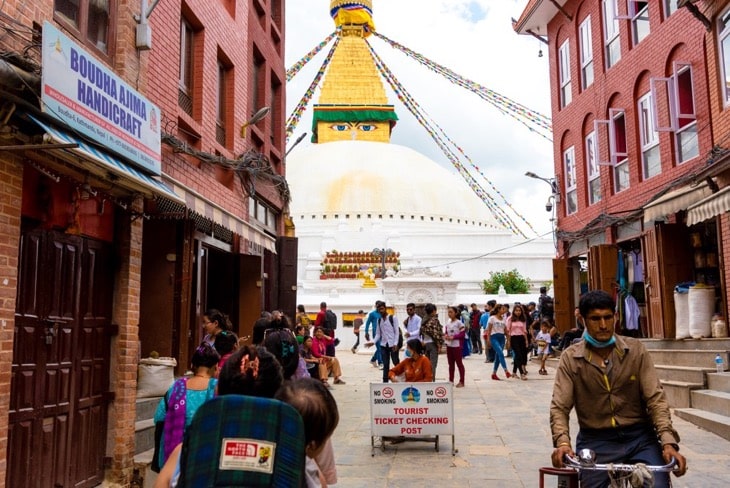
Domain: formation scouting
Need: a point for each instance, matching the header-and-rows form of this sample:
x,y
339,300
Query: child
x,y
318,409
226,342
543,344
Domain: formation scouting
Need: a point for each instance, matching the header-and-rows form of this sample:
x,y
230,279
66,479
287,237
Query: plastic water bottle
x,y
719,364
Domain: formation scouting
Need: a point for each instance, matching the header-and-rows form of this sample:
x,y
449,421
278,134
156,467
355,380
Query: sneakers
x,y
509,375
380,366
495,377
374,363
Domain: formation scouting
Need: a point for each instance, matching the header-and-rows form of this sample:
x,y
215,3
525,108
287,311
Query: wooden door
x,y
652,284
602,266
562,286
287,249
57,423
667,262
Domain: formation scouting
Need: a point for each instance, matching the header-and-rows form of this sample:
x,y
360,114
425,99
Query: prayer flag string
x,y
296,115
497,211
533,120
296,67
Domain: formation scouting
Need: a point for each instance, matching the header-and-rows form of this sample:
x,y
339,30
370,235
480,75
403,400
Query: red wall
x,y
225,30
678,37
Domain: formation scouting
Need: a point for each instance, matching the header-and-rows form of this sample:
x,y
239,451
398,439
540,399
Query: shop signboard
x,y
85,94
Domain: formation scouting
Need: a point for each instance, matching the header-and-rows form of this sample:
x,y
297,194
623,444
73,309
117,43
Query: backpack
x,y
400,332
330,320
547,307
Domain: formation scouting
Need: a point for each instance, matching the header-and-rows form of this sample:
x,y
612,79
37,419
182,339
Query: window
x,y
619,156
681,108
262,213
565,86
221,104
257,79
686,120
651,163
670,6
586,53
88,19
724,34
639,12
611,38
571,189
592,169
185,91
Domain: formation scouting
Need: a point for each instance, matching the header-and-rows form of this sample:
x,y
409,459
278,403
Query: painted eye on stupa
x,y
339,127
367,127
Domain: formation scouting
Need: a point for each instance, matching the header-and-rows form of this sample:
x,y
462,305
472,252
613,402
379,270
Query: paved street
x,y
502,435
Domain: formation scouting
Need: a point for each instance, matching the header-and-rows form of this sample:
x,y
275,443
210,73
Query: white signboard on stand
x,y
415,410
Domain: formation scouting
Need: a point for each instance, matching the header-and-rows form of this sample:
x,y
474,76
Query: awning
x,y
674,201
209,210
712,206
122,174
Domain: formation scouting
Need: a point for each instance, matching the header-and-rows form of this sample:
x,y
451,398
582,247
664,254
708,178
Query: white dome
x,y
379,180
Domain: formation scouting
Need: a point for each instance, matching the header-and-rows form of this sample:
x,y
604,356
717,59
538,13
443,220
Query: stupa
x,y
355,195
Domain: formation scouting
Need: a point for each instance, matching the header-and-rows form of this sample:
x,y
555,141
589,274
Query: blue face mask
x,y
590,340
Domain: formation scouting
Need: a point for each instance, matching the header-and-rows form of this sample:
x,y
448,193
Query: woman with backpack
x,y
177,409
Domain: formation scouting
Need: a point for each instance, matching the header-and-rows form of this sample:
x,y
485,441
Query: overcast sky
x,y
475,39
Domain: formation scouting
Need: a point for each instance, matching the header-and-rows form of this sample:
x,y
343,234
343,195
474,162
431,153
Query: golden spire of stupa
x,y
352,104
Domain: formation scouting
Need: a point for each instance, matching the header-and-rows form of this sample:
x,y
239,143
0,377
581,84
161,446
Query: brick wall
x,y
224,31
11,184
125,349
679,37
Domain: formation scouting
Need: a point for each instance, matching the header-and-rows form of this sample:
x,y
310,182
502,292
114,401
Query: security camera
x,y
549,206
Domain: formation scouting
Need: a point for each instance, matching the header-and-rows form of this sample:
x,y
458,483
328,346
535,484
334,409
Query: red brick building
x,y
637,136
134,195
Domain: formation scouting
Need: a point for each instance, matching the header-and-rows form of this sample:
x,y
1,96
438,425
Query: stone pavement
x,y
502,435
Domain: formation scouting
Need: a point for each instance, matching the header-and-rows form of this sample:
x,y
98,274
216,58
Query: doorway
x,y
60,369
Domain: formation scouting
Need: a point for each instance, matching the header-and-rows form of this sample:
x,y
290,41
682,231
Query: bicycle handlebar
x,y
573,462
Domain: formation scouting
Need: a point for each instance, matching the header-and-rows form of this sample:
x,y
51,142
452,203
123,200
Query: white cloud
x,y
473,38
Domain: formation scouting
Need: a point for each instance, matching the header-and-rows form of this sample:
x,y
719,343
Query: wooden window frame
x,y
648,135
80,29
639,12
566,95
593,170
586,53
571,184
611,36
723,34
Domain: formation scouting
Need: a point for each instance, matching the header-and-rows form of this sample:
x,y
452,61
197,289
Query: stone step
x,y
678,393
142,463
712,422
144,435
700,358
145,408
690,374
693,344
712,401
718,381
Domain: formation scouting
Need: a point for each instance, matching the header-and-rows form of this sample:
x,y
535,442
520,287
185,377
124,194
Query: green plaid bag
x,y
242,441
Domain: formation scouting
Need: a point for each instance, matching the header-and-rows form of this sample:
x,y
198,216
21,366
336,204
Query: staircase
x,y
144,439
694,389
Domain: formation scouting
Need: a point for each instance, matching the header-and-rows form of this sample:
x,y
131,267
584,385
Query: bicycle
x,y
621,475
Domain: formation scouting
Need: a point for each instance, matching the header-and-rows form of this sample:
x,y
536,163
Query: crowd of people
x,y
498,331
286,362
293,363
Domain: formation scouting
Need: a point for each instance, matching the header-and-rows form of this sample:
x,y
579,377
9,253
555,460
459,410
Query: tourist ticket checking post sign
x,y
414,411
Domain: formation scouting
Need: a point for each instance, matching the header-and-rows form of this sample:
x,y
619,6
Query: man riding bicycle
x,y
622,410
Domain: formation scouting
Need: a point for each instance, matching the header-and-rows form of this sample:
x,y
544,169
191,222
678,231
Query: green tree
x,y
513,282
